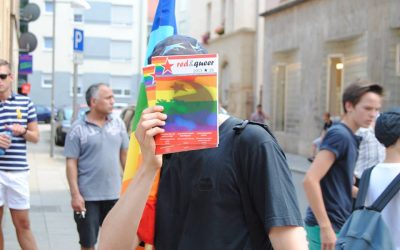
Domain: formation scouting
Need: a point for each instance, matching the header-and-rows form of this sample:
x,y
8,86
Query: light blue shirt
x,y
98,152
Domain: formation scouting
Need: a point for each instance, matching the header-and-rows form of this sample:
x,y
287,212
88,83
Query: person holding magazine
x,y
200,197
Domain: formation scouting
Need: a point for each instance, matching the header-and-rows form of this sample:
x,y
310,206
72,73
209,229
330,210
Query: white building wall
x,y
102,69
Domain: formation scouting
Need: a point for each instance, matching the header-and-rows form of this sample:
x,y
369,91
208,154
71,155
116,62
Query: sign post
x,y
78,46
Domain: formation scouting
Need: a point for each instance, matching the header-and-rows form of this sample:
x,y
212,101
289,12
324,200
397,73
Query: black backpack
x,y
365,228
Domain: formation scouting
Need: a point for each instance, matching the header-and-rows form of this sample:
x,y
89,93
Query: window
x,y
183,6
121,50
121,15
46,81
121,86
97,48
78,18
280,83
398,59
230,16
223,11
225,84
335,84
208,17
48,7
48,43
99,13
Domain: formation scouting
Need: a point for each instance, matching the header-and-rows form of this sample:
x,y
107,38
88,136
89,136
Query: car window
x,y
39,109
67,114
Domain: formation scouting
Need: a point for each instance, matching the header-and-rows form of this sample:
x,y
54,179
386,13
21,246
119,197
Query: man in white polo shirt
x,y
17,117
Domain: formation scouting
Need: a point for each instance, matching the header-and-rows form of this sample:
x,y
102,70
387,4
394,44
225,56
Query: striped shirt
x,y
16,109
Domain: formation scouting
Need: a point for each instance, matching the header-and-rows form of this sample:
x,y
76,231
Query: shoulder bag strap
x,y
362,191
389,192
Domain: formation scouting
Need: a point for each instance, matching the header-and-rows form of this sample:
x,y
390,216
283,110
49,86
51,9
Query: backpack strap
x,y
241,126
254,226
362,191
389,192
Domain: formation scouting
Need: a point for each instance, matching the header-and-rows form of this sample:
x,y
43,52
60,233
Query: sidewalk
x,y
51,214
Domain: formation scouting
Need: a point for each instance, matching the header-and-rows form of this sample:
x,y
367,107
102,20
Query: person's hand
x,y
16,129
78,203
328,238
147,128
5,141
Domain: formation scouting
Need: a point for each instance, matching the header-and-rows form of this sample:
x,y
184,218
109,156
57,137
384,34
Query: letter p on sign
x,y
78,40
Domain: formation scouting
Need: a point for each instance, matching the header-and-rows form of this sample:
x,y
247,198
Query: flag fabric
x,y
164,25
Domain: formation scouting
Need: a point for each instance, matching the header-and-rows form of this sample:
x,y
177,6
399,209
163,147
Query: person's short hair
x,y
177,45
5,63
92,92
387,127
259,106
357,89
327,114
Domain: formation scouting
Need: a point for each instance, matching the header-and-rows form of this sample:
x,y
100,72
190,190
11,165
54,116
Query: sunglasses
x,y
4,76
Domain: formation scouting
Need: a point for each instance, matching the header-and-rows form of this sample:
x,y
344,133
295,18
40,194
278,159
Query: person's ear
x,y
349,106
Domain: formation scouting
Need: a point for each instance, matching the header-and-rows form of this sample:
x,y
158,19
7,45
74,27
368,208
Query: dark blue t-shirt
x,y
199,202
337,184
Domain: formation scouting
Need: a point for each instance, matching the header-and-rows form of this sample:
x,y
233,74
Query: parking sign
x,y
78,40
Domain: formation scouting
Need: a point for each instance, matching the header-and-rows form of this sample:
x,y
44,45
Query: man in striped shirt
x,y
18,118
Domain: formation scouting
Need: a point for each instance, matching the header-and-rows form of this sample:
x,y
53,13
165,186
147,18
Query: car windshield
x,y
68,113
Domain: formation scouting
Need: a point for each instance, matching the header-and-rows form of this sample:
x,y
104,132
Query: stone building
x,y
313,49
229,28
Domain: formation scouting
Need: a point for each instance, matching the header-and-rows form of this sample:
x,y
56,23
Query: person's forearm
x,y
31,136
121,224
122,157
314,195
72,177
288,238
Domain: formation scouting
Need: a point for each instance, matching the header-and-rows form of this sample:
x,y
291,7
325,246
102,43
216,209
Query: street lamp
x,y
75,4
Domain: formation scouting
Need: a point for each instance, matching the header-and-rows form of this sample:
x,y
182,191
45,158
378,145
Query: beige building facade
x,y
313,49
9,30
229,28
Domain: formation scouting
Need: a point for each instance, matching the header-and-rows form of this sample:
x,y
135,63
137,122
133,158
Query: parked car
x,y
43,113
63,123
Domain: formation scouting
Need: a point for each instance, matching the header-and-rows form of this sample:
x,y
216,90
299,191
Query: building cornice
x,y
282,7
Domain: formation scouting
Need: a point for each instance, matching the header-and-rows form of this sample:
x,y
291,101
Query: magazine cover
x,y
187,87
149,83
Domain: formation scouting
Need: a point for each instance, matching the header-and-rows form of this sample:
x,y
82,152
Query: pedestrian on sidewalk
x,y
18,124
329,183
387,130
259,115
95,148
239,195
317,142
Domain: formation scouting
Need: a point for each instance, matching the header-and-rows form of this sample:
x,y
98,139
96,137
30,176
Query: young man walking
x,y
329,181
95,148
18,124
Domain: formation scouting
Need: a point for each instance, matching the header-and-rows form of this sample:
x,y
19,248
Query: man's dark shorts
x,y
88,227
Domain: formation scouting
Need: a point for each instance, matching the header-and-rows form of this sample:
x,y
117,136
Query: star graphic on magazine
x,y
167,67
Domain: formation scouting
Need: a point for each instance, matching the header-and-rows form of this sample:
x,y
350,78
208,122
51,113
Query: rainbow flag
x,y
164,25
